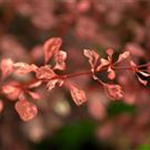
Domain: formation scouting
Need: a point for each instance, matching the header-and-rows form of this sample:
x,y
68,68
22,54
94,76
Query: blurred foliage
x,y
144,146
75,136
117,108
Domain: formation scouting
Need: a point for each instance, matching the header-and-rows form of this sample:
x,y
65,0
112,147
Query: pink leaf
x,y
11,90
51,47
35,84
45,72
52,83
24,68
113,91
145,74
110,52
144,82
111,73
78,95
6,66
103,63
123,56
133,65
60,58
26,110
34,95
92,56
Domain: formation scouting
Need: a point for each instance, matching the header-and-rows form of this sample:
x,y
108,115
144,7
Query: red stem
x,y
144,65
71,75
24,86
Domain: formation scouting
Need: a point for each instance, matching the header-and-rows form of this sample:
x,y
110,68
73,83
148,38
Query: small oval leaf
x,y
26,110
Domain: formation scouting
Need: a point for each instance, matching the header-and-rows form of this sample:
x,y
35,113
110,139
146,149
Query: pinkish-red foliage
x,y
26,110
47,74
51,47
96,52
78,95
113,91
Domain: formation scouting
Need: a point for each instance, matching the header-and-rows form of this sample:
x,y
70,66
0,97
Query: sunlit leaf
x,y
6,67
45,72
51,47
60,58
78,95
113,91
26,110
